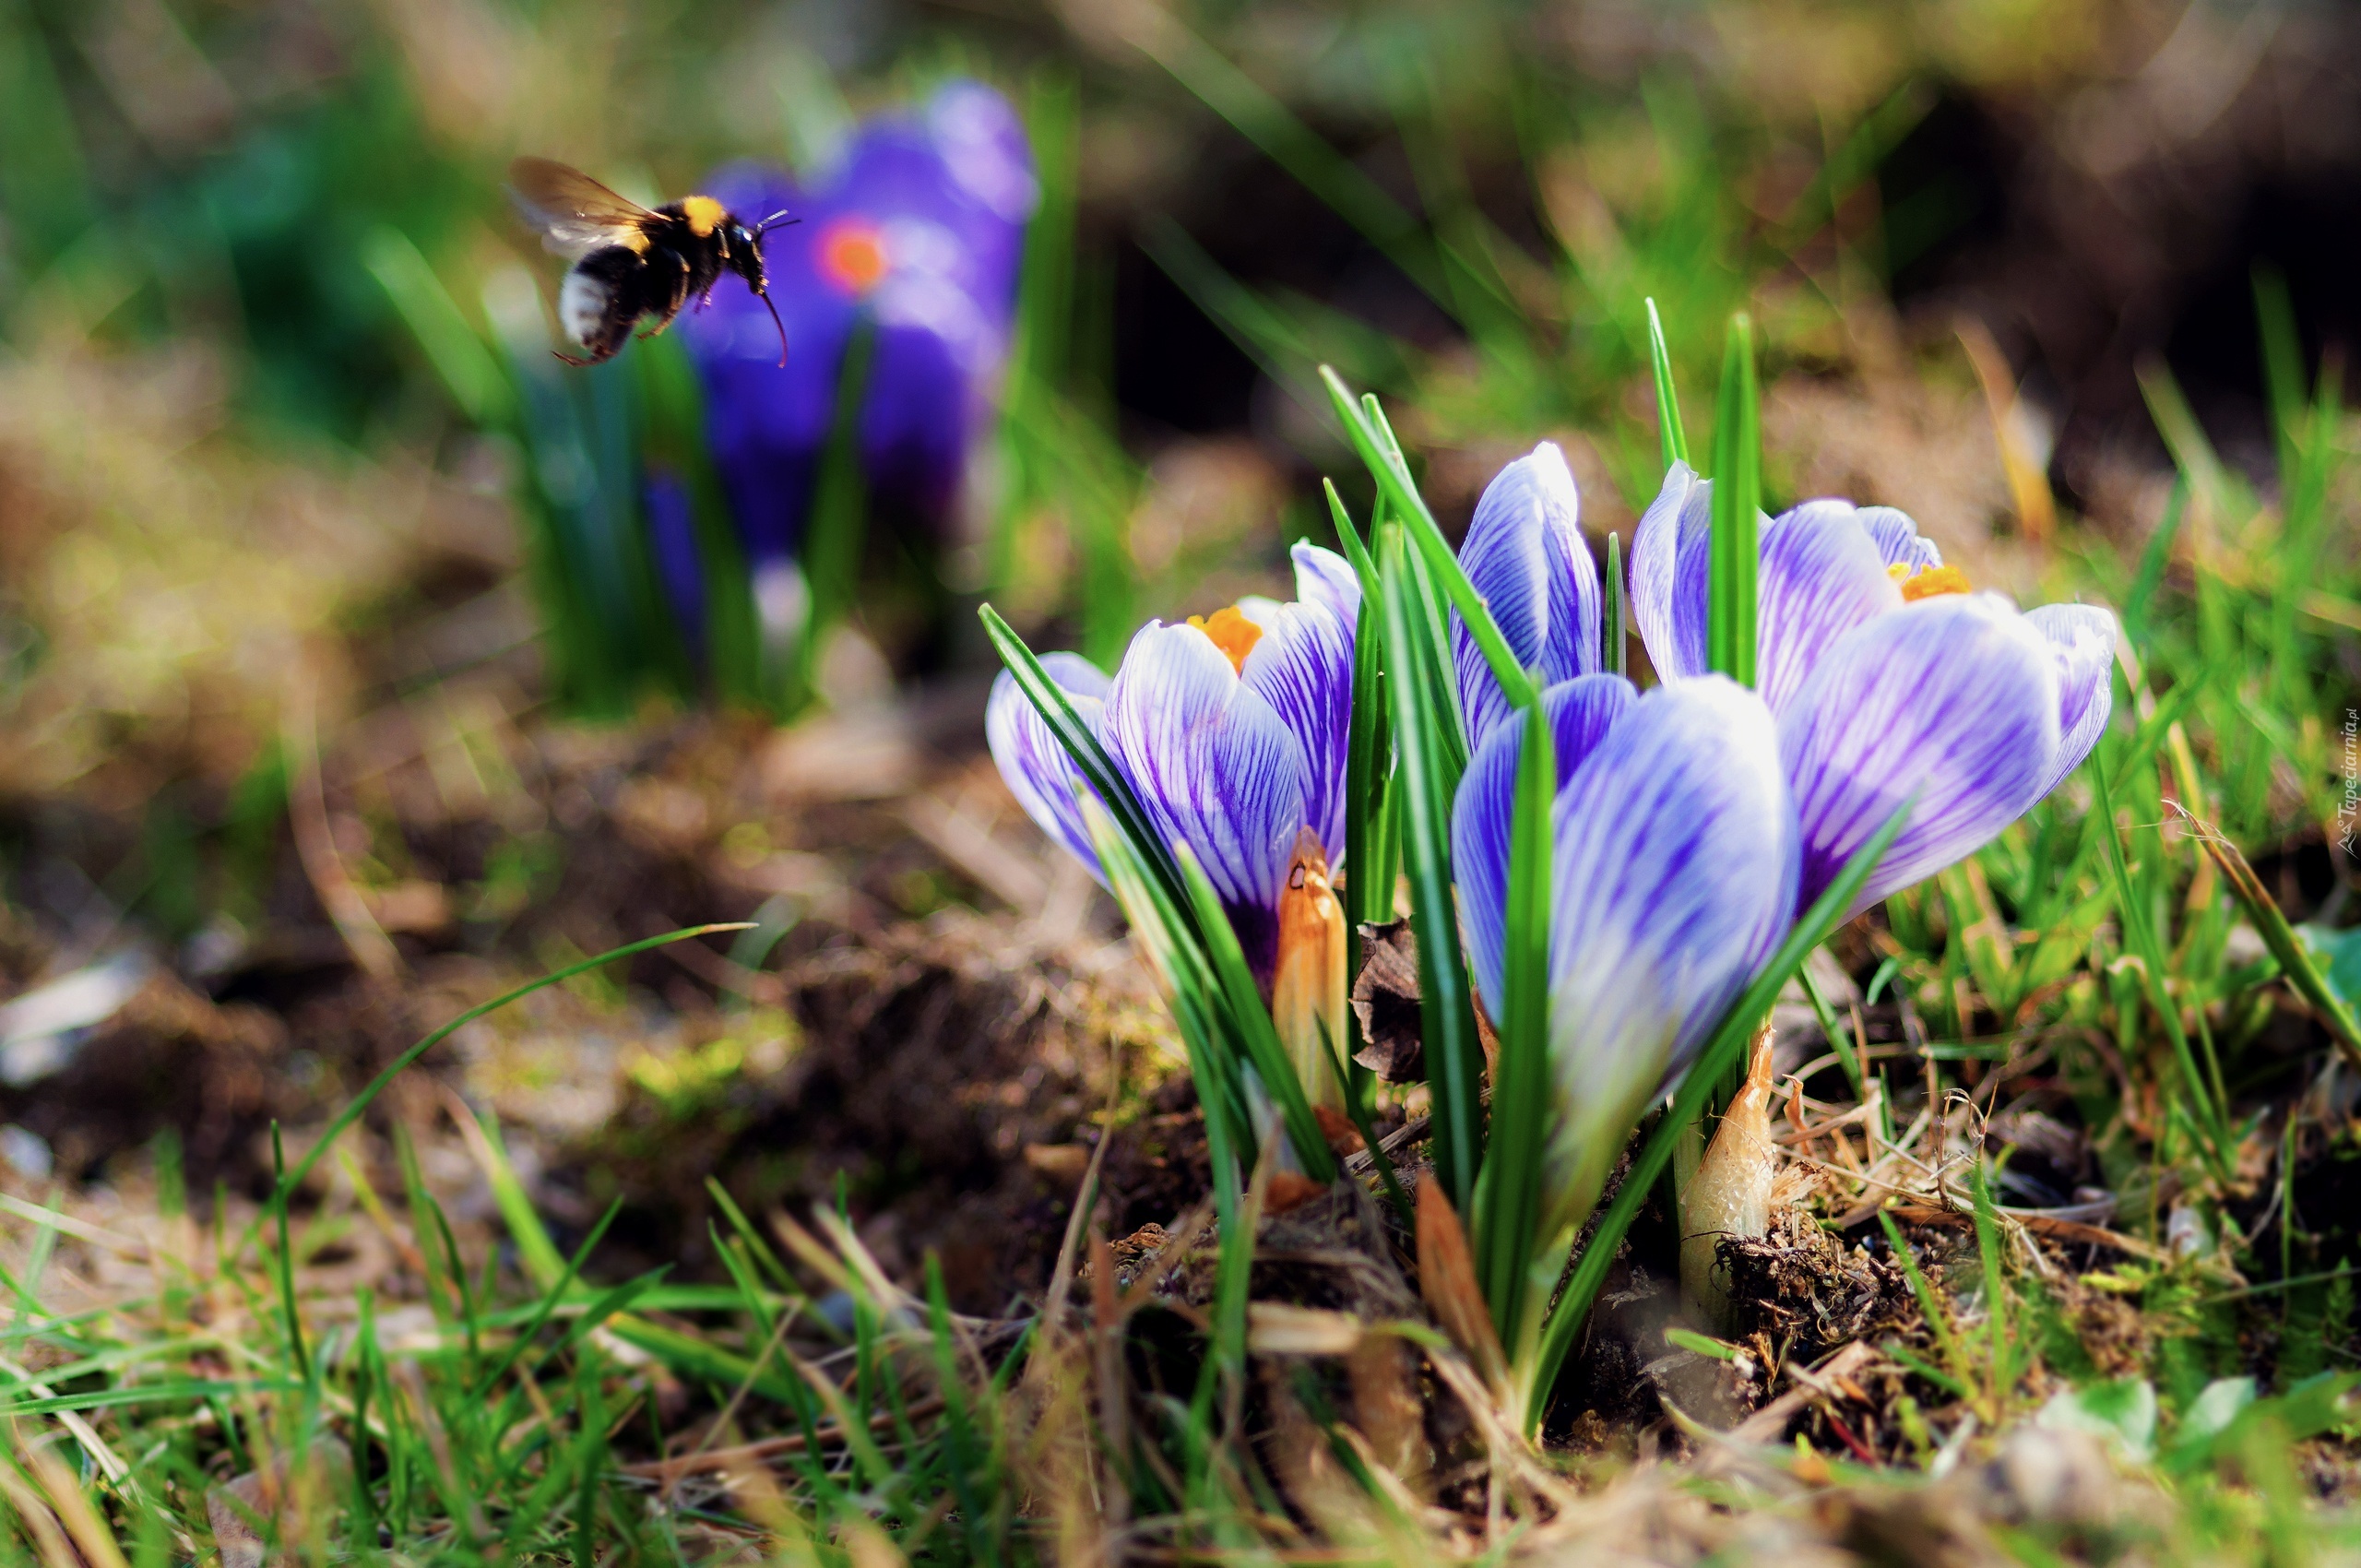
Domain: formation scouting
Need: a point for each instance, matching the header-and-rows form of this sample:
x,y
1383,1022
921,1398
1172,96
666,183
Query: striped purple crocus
x,y
1675,864
1888,676
920,226
1231,729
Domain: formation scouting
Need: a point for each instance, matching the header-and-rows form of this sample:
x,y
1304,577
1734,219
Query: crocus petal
x,y
1821,575
1035,766
1898,540
1215,767
2081,640
1525,556
1672,561
1676,878
1581,711
1322,577
1302,666
1953,699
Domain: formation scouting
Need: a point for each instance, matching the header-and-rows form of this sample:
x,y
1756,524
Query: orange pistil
x,y
1236,636
1308,987
1927,581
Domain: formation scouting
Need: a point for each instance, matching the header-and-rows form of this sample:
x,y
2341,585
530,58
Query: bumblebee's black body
x,y
629,261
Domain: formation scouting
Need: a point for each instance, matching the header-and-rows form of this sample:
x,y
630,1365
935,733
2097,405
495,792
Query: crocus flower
x,y
1524,554
1888,675
1232,730
919,225
1675,862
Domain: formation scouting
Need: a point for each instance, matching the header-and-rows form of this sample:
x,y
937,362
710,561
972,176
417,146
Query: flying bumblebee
x,y
629,261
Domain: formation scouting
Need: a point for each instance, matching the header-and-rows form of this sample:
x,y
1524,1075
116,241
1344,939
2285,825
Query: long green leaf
x,y
1509,1193
1670,436
1455,1060
1383,459
1728,1040
1738,499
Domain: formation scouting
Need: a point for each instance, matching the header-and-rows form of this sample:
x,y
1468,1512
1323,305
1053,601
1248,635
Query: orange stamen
x,y
852,255
1927,581
1233,633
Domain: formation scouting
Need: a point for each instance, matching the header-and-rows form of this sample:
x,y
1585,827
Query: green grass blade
x,y
2283,370
1508,1210
1375,448
2133,912
361,1102
1724,1048
1368,767
1455,1060
1737,502
1670,436
463,364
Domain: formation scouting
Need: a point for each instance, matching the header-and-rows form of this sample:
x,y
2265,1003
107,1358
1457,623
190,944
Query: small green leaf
x,y
1613,639
1738,503
1669,434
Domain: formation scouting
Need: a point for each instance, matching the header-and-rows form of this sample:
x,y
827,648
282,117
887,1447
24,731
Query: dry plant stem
x,y
1730,1194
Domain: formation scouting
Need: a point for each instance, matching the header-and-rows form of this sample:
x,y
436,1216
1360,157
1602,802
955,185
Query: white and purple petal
x,y
1302,666
1215,767
1821,575
1322,577
1033,765
1581,712
1524,555
1898,538
2081,640
1671,567
1676,878
1953,699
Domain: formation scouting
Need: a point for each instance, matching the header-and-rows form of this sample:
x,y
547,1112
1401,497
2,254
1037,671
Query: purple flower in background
x,y
920,225
1674,879
1232,729
1888,677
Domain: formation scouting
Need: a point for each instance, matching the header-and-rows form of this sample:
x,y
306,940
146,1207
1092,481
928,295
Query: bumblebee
x,y
629,261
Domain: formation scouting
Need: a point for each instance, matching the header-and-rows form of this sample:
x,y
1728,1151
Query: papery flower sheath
x,y
1524,555
1673,879
1889,677
919,224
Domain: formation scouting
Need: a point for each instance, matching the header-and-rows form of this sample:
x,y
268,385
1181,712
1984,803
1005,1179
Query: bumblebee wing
x,y
573,212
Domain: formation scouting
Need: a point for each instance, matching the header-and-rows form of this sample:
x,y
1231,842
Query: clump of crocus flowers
x,y
1898,720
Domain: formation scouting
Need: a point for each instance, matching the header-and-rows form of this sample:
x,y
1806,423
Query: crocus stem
x,y
1729,1195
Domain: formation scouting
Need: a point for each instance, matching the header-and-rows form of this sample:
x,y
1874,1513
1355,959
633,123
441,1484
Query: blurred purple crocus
x,y
919,225
1889,678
